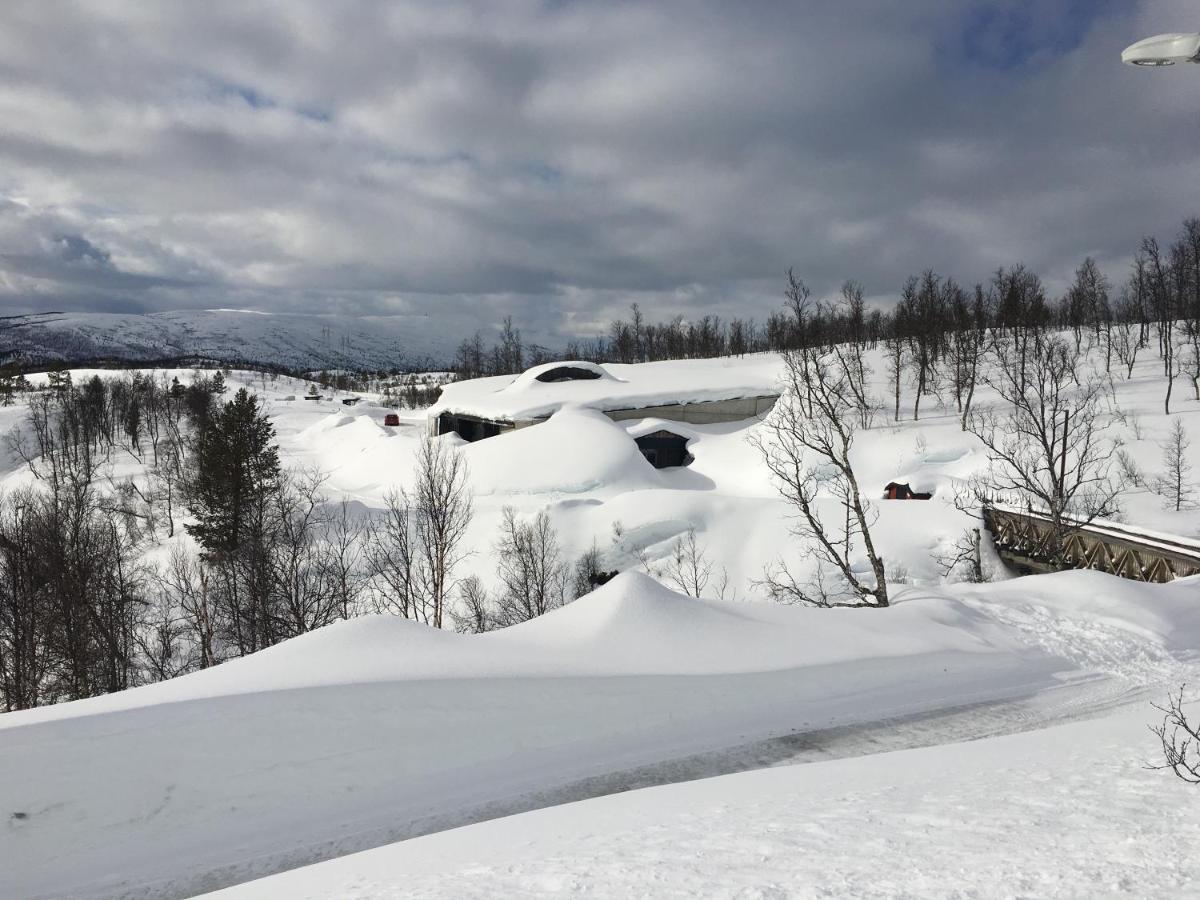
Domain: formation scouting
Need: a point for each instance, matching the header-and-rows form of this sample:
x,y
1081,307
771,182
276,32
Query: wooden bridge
x,y
1025,541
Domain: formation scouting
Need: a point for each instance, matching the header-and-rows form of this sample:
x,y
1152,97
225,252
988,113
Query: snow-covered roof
x,y
611,386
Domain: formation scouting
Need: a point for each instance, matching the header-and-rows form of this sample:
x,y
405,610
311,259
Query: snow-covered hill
x,y
376,730
299,342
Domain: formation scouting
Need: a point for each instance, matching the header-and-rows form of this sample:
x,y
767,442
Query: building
x,y
896,490
695,392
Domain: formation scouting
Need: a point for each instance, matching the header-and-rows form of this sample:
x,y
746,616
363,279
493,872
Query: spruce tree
x,y
237,464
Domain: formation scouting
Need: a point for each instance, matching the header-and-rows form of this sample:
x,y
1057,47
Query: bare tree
x,y
689,567
183,582
1174,484
896,353
807,447
412,551
533,576
964,560
304,597
851,353
442,504
343,557
476,615
392,558
589,570
163,640
964,346
1049,447
1125,343
1180,739
26,655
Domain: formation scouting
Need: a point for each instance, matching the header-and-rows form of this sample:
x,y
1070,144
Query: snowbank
x,y
1065,812
577,450
376,730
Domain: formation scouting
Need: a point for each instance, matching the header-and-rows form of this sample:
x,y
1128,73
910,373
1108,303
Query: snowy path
x,y
1066,812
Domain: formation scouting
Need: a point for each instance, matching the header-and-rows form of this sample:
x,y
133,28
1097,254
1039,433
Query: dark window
x,y
664,449
469,429
568,373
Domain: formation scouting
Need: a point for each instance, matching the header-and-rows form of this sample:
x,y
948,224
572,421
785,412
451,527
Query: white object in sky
x,y
1163,50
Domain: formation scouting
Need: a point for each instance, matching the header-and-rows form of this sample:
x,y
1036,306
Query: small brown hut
x,y
897,491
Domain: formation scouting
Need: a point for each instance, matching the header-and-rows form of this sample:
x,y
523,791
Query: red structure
x,y
897,491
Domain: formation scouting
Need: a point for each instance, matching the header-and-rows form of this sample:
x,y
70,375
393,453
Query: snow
x,y
378,730
301,342
515,398
1063,812
550,455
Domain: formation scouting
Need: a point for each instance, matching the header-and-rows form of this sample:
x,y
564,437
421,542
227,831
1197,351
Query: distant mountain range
x,y
287,340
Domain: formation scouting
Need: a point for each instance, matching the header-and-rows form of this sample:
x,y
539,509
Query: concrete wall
x,y
705,412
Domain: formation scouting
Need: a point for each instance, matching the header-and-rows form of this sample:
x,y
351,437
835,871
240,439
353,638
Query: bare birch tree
x,y
1175,484
1048,447
533,575
442,503
807,444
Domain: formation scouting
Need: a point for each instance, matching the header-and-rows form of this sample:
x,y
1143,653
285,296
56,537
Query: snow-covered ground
x,y
1067,811
294,340
377,730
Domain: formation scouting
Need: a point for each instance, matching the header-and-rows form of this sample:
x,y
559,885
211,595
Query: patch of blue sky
x,y
1009,35
255,99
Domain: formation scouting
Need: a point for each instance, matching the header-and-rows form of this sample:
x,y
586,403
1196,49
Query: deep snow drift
x,y
1064,812
376,730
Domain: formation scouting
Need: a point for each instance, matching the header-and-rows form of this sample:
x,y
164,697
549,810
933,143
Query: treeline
x,y
1163,286
74,616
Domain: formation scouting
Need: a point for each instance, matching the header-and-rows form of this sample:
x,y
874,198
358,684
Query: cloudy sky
x,y
558,160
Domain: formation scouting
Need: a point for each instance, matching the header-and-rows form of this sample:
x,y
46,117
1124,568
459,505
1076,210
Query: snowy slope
x,y
375,730
1064,812
301,342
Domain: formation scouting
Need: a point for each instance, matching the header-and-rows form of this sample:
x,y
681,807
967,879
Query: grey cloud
x,y
558,161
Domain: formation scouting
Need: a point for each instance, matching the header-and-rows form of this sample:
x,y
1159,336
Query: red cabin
x,y
897,491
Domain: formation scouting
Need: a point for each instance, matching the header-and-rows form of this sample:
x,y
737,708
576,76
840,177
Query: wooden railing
x,y
1027,540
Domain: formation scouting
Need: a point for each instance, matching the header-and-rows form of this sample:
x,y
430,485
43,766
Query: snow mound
x,y
576,450
637,612
531,379
634,624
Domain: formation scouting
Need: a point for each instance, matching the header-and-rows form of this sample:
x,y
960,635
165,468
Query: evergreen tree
x,y
236,466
